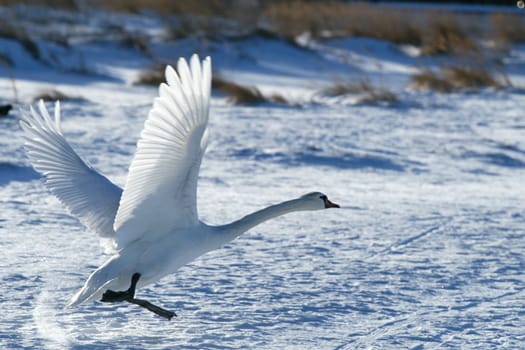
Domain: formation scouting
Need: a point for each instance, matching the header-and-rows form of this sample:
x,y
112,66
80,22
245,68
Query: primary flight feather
x,y
152,226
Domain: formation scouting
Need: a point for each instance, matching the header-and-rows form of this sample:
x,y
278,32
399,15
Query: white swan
x,y
152,226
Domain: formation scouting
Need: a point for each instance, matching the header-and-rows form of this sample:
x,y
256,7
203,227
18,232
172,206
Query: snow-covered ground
x,y
427,251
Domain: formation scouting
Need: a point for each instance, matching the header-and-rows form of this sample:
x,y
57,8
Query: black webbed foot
x,y
153,308
110,296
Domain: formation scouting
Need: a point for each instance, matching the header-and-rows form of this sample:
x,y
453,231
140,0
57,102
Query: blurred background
x,y
452,45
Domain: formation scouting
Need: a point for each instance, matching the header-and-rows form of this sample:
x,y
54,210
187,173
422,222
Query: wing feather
x,y
160,191
86,193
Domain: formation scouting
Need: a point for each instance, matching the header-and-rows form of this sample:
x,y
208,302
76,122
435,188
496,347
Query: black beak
x,y
328,204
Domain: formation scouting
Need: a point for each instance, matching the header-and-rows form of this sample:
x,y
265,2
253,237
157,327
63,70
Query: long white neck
x,y
236,228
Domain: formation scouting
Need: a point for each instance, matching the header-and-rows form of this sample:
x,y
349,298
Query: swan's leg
x,y
110,296
153,308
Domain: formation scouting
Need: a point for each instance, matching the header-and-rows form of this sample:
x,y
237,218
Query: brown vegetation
x,y
240,94
321,19
456,78
435,31
369,93
428,80
168,7
152,76
444,35
65,4
508,28
471,78
54,95
237,93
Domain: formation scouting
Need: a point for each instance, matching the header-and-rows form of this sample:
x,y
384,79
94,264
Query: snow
x,y
427,251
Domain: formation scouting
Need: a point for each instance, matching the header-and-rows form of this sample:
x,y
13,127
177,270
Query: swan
x,y
151,227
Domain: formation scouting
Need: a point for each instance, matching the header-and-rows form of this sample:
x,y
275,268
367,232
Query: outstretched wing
x,y
160,191
88,195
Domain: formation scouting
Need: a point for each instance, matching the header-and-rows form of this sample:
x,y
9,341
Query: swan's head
x,y
317,200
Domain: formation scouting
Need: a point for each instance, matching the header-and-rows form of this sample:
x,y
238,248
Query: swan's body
x,y
152,227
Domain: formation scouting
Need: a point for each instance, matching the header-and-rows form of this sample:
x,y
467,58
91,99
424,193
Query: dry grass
x,y
206,8
207,18
152,76
291,18
471,78
445,35
206,28
369,92
55,95
238,94
428,80
64,4
248,95
507,28
436,32
379,95
135,6
350,87
455,78
137,41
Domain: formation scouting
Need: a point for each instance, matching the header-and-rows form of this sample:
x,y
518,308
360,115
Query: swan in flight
x,y
151,227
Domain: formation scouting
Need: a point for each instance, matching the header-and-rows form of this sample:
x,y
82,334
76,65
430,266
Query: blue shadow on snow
x,y
14,172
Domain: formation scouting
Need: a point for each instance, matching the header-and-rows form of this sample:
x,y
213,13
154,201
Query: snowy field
x,y
427,251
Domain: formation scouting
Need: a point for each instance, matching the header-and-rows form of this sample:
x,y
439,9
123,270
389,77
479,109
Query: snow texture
x,y
427,251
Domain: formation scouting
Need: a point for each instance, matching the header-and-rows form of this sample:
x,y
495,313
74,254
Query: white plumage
x,y
152,225
161,187
88,195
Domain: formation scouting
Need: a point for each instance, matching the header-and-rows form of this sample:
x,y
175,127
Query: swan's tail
x,y
107,276
95,285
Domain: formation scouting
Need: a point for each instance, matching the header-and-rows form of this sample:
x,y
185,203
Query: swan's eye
x,y
324,198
